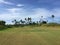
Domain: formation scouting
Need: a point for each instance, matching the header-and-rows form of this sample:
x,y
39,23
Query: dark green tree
x,y
2,25
2,22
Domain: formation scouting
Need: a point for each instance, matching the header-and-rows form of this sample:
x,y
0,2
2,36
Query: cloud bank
x,y
5,2
21,13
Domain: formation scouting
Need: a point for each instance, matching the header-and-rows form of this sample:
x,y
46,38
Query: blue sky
x,y
19,9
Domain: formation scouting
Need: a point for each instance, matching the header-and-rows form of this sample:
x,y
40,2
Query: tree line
x,y
25,22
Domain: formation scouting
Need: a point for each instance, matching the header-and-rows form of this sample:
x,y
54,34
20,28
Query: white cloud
x,y
13,10
7,16
5,2
19,5
20,13
56,12
17,11
38,12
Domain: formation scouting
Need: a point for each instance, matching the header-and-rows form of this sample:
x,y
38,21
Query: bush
x,y
2,27
2,22
53,24
9,26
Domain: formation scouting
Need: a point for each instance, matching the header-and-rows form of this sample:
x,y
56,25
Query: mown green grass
x,y
30,36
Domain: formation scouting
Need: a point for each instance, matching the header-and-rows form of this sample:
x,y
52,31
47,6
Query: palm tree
x,y
41,16
15,22
25,20
41,19
22,22
52,16
29,20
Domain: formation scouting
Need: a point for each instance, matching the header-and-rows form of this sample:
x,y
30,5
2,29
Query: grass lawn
x,y
30,36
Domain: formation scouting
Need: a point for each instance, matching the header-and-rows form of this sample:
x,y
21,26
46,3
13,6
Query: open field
x,y
30,36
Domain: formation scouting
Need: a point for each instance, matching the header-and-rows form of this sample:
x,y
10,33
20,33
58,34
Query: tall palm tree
x,y
41,19
29,20
21,21
52,16
25,20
